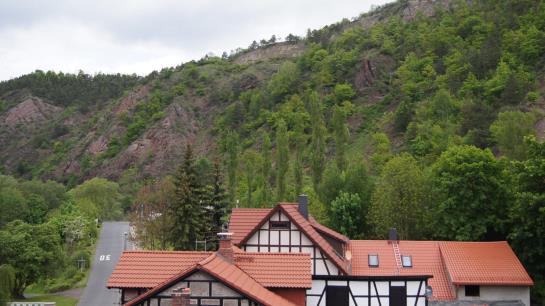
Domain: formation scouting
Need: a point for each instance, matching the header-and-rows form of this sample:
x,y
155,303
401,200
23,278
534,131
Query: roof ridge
x,y
207,259
166,252
273,253
219,276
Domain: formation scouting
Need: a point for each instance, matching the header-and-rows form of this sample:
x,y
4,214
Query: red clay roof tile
x,y
426,260
244,220
291,210
327,231
277,270
230,274
483,263
146,269
247,220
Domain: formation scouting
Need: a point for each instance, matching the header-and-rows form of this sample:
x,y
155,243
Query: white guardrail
x,y
32,304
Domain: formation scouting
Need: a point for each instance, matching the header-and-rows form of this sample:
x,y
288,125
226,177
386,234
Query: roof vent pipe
x,y
303,205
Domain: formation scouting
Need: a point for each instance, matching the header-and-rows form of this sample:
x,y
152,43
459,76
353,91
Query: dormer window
x,y
373,260
407,261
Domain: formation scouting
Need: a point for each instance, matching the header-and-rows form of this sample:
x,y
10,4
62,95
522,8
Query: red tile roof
x,y
483,263
458,263
292,212
277,270
147,269
426,259
230,274
244,220
327,231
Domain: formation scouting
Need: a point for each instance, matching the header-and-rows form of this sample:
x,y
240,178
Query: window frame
x,y
410,258
279,225
369,256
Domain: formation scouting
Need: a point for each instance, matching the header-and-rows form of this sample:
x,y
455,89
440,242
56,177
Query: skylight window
x,y
407,261
373,260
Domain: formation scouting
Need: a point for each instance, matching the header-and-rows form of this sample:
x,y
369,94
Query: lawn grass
x,y
60,300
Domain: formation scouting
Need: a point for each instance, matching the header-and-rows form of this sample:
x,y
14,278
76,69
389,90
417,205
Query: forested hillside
x,y
423,115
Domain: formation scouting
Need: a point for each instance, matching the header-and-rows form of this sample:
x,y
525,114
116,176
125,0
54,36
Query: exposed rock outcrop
x,y
31,111
278,50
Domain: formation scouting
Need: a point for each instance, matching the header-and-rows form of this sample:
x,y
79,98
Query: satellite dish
x,y
348,255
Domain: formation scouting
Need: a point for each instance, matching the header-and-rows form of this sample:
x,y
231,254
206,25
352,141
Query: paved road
x,y
109,249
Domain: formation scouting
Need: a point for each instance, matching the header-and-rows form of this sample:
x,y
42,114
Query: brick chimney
x,y
180,297
226,246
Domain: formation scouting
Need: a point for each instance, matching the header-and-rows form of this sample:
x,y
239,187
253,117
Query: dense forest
x,y
432,123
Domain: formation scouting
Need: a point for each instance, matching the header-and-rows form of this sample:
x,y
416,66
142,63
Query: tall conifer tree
x,y
219,200
187,211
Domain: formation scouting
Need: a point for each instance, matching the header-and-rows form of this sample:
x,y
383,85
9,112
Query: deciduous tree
x,y
282,160
399,199
470,195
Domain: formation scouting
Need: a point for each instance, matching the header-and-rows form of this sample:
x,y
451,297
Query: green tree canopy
x,y
34,251
282,160
13,205
470,195
528,213
100,194
399,200
509,130
348,215
186,210
7,283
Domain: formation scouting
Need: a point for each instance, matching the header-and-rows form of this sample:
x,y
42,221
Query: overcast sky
x,y
139,36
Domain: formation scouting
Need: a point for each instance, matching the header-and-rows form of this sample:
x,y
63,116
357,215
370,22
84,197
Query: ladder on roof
x,y
397,254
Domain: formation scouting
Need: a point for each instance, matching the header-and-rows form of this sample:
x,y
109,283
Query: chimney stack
x,y
392,235
303,205
181,297
226,246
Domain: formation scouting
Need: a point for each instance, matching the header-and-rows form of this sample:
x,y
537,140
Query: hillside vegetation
x,y
423,115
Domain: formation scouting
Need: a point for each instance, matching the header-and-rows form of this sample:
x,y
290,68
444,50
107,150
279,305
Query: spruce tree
x,y
282,159
219,201
186,211
317,145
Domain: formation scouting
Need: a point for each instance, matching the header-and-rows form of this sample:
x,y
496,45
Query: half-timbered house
x,y
282,256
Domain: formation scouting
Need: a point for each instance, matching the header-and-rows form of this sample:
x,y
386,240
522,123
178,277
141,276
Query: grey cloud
x,y
158,29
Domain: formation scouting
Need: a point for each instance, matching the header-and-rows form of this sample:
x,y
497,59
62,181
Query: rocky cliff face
x,y
31,111
283,50
63,142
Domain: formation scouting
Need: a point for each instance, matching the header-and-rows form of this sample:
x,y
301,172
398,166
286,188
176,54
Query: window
x,y
473,290
373,260
280,225
337,296
407,261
